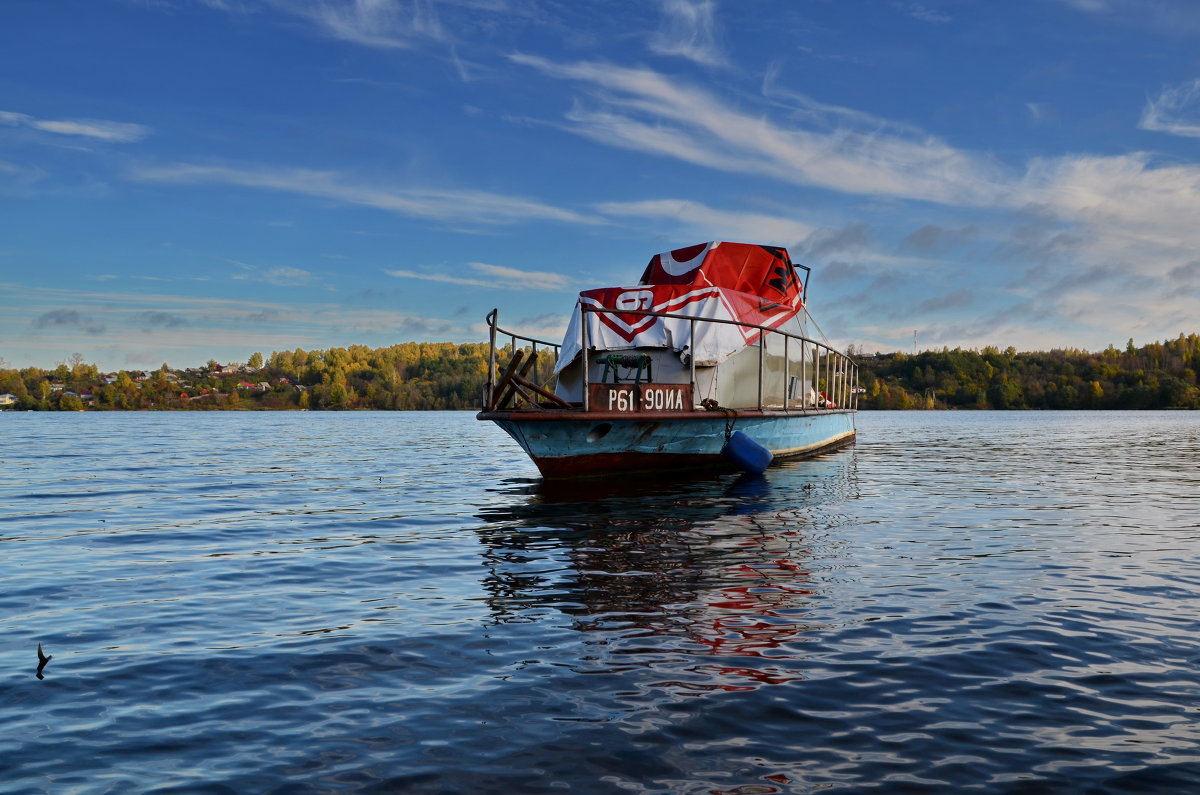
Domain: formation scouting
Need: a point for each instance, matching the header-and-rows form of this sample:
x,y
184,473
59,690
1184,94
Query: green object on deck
x,y
614,361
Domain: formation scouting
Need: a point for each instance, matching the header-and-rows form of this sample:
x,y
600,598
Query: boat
x,y
707,363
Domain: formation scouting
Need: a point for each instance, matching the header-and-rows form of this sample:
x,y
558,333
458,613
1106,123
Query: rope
x,y
817,326
710,404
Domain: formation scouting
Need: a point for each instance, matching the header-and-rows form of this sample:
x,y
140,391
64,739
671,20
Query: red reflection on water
x,y
755,789
746,620
747,789
749,621
763,676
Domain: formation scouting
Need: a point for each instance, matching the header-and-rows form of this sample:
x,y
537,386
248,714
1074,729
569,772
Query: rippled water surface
x,y
392,602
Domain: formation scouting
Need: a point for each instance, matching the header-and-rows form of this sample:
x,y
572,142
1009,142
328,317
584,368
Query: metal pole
x,y
842,368
787,369
845,403
803,374
816,382
491,382
830,394
829,364
583,336
849,384
820,370
826,390
762,350
692,342
834,397
839,378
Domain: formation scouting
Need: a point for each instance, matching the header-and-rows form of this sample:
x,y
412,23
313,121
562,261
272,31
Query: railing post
x,y
828,378
820,372
837,381
493,319
583,338
787,369
692,358
845,382
833,379
825,376
816,375
844,374
803,380
762,353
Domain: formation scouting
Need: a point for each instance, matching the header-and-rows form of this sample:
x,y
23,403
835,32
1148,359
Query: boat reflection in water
x,y
702,585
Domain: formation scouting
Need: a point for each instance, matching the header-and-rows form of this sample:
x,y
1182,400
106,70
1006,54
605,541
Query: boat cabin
x,y
696,318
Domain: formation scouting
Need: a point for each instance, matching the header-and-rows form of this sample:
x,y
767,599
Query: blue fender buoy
x,y
747,454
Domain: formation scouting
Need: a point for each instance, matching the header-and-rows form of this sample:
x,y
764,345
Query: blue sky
x,y
183,180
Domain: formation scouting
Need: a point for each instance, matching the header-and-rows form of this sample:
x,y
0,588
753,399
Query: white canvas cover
x,y
726,281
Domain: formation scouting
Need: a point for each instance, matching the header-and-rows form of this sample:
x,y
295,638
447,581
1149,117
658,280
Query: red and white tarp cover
x,y
726,281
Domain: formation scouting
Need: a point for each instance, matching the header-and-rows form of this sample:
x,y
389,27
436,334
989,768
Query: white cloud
x,y
281,276
459,206
853,153
1039,111
643,110
1118,213
511,277
113,131
1176,110
45,324
689,31
492,277
371,23
13,174
400,273
922,13
823,116
1122,198
712,224
1171,16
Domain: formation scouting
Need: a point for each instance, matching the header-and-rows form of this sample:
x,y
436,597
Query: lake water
x,y
391,602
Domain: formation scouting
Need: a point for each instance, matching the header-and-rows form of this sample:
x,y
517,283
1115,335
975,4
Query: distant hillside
x,y
1161,375
412,375
443,375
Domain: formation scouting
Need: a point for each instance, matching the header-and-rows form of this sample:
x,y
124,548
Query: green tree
x,y
70,403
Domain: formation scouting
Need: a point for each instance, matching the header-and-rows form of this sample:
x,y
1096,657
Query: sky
x,y
186,180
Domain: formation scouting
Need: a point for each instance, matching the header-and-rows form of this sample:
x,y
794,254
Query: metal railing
x,y
832,375
496,331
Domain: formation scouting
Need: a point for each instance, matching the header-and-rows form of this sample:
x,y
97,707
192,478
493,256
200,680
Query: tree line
x,y
1161,375
408,376
443,375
